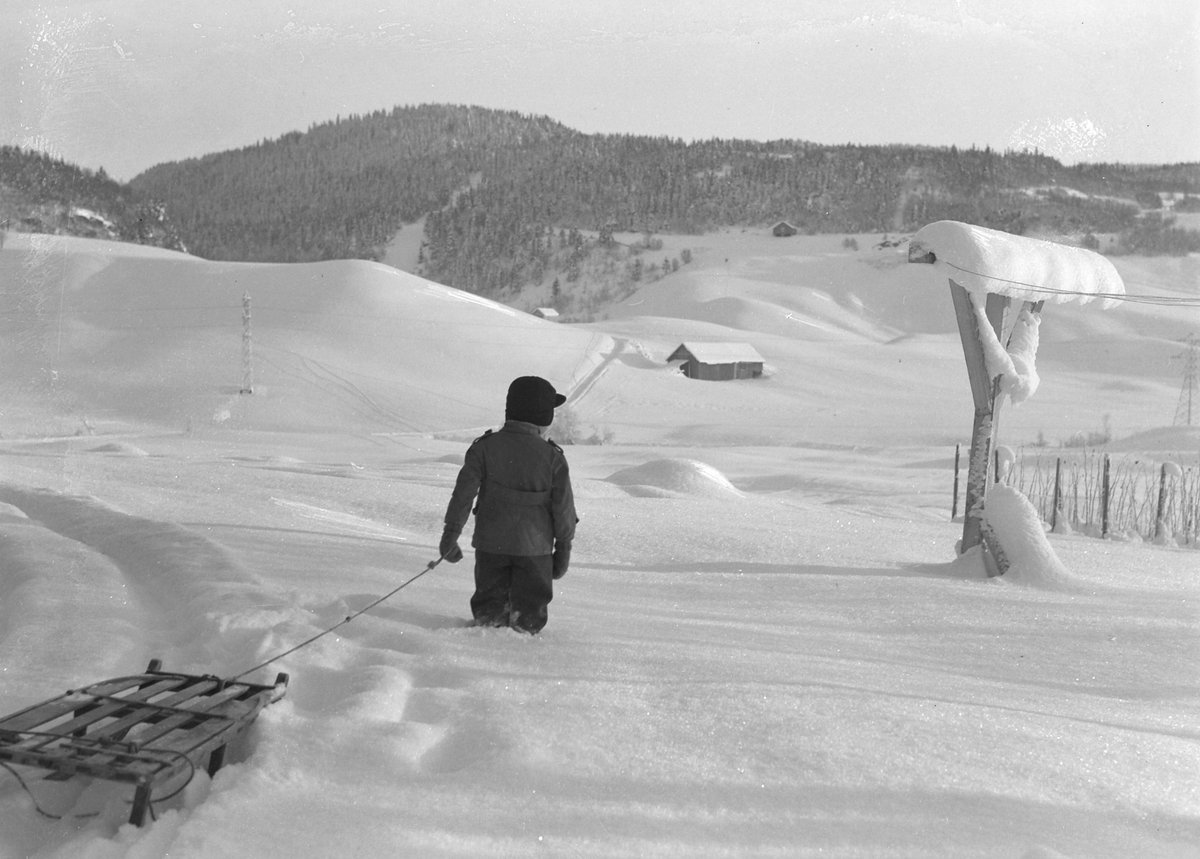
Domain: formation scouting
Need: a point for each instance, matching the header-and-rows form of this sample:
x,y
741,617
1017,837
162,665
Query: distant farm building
x,y
783,229
718,362
547,313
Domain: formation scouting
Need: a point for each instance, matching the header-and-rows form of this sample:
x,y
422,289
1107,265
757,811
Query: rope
x,y
130,750
339,624
102,745
38,808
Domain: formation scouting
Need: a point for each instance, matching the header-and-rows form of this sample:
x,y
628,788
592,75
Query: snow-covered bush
x,y
568,429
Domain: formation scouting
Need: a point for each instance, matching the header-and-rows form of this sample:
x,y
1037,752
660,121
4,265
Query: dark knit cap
x,y
532,399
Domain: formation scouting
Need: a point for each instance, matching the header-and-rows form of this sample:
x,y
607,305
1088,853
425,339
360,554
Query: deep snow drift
x,y
764,647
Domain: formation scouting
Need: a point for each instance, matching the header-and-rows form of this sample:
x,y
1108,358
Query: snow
x,y
1006,459
1020,379
670,476
80,212
765,645
722,353
1017,526
984,260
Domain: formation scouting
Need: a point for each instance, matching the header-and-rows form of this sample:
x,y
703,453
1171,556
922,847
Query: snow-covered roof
x,y
80,212
983,260
719,353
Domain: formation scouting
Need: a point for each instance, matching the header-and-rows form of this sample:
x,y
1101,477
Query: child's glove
x,y
449,545
562,559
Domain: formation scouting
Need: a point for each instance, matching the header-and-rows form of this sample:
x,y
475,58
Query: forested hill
x,y
41,194
493,185
510,199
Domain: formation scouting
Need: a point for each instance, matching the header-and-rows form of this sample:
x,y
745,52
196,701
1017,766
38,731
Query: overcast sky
x,y
126,84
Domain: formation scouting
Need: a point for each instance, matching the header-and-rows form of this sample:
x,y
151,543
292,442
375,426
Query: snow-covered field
x,y
764,647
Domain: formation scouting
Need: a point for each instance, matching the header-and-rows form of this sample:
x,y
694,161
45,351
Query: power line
x,y
1164,300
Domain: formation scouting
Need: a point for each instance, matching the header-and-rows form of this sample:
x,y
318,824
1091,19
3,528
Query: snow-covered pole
x,y
247,349
984,392
987,270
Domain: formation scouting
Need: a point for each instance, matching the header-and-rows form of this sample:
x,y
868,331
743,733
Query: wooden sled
x,y
145,729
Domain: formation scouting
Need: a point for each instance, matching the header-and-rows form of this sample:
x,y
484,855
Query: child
x,y
525,518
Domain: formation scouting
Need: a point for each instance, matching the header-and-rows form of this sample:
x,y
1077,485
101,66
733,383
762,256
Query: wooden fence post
x,y
1104,500
954,503
1162,501
1057,490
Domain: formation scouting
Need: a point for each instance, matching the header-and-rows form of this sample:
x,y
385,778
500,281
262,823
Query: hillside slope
x,y
860,347
109,332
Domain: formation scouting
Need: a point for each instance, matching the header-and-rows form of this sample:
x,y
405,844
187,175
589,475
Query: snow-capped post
x,y
247,349
987,269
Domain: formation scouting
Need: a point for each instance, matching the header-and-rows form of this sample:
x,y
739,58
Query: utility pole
x,y
1188,408
247,349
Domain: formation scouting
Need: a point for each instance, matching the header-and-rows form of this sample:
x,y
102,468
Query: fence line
x,y
1094,493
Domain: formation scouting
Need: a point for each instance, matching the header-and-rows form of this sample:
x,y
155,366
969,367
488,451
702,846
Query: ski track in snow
x,y
588,382
158,576
174,594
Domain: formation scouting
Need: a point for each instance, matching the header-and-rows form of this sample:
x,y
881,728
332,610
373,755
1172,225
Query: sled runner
x,y
146,729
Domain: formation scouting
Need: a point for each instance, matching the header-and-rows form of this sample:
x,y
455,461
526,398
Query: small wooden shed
x,y
783,229
546,313
718,362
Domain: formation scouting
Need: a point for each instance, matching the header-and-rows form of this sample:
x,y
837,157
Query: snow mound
x,y
1018,528
9,511
1040,852
120,447
1184,439
670,477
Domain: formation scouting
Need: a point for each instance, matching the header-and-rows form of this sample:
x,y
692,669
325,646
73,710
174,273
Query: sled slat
x,y
141,714
44,714
217,707
82,705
